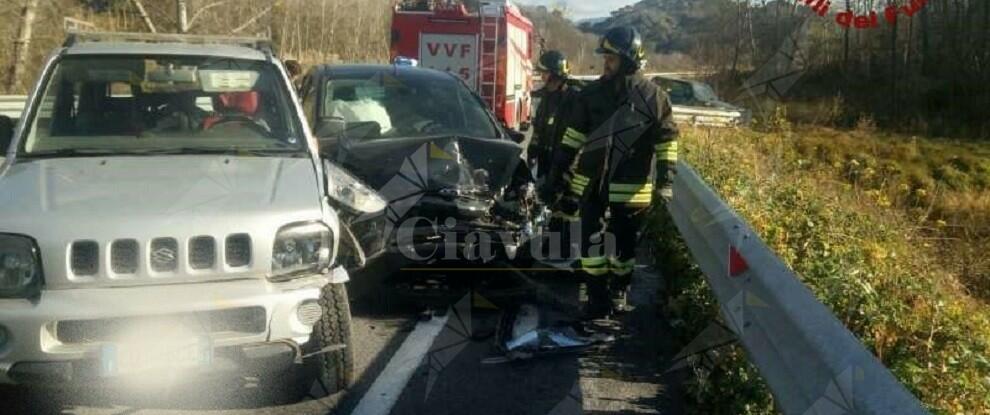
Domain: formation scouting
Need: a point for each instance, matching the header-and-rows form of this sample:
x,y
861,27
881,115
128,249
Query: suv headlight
x,y
301,249
20,267
351,192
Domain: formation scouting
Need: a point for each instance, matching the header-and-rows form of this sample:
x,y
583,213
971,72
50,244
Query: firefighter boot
x,y
619,293
599,304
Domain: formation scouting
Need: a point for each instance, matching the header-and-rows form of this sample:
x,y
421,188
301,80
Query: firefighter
x,y
620,144
557,93
556,98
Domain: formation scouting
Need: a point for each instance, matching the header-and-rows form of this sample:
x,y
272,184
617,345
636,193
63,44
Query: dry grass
x,y
895,247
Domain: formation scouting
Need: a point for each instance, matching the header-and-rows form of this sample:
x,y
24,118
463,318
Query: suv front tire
x,y
334,370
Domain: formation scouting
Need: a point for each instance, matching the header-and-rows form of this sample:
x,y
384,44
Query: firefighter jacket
x,y
620,140
550,118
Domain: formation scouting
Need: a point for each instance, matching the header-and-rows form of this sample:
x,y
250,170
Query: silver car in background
x,y
695,103
692,102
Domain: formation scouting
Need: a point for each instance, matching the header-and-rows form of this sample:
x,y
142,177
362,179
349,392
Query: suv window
x,y
148,104
380,105
680,93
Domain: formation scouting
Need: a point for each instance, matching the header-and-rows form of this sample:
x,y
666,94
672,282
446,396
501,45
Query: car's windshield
x,y
163,104
678,91
386,105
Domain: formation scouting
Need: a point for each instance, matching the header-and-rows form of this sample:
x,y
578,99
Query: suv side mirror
x,y
6,133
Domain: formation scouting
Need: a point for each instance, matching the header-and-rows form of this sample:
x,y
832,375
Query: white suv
x,y
164,210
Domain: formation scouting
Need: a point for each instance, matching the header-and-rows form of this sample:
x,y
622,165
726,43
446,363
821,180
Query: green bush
x,y
863,258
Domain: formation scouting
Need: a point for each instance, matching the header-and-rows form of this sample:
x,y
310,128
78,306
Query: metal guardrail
x,y
12,105
809,359
683,74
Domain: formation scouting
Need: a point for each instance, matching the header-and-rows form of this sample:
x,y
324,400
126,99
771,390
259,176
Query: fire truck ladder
x,y
490,16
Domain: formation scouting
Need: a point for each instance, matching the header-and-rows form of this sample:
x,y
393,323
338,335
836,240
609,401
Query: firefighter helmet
x,y
555,63
625,42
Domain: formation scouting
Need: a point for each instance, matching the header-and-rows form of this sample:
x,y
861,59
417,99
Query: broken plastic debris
x,y
528,339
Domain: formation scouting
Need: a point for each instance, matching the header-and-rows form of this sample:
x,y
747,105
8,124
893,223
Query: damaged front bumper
x,y
64,336
428,240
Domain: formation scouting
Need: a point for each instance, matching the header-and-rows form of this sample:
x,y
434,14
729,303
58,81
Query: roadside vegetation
x,y
889,231
311,31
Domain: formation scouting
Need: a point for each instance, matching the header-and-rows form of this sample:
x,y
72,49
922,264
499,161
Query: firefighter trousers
x,y
609,235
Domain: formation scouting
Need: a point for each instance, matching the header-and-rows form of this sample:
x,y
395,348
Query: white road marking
x,y
385,391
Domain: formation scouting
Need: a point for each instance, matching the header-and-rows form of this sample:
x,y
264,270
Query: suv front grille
x,y
161,255
124,256
202,252
85,258
238,250
164,254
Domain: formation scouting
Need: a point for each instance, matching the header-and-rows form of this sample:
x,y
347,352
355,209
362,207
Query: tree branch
x,y
144,15
250,21
199,13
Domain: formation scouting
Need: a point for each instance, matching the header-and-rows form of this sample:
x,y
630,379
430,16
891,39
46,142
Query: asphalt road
x,y
411,362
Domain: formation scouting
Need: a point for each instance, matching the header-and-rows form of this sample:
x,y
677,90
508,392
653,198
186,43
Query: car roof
x,y
367,70
671,78
165,48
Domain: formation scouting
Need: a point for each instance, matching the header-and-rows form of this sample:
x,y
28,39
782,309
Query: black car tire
x,y
334,370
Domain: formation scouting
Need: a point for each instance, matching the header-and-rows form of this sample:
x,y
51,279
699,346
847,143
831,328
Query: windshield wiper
x,y
69,152
73,152
217,151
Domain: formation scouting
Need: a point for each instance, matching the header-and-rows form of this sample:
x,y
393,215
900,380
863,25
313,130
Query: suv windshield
x,y
386,105
163,104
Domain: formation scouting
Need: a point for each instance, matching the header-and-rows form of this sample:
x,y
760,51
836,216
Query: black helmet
x,y
554,63
625,42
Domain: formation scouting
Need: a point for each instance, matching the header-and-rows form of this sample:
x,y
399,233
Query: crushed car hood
x,y
450,165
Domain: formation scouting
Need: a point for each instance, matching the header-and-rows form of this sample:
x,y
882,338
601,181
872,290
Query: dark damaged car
x,y
455,180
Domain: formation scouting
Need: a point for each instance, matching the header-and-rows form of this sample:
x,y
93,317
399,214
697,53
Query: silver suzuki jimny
x,y
164,210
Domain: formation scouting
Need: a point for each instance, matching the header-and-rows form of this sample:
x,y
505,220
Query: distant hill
x,y
554,31
667,26
579,41
591,21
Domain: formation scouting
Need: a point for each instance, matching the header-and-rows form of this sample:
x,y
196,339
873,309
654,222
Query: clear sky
x,y
582,9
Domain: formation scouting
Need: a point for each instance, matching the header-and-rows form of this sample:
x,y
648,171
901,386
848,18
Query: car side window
x,y
680,92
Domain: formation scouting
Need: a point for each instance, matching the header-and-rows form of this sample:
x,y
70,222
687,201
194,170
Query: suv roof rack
x,y
258,43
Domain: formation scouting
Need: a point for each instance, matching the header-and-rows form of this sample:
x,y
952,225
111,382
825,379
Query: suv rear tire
x,y
334,370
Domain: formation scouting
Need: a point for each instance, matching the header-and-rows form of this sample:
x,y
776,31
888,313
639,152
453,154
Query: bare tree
x,y
144,15
251,21
181,16
21,44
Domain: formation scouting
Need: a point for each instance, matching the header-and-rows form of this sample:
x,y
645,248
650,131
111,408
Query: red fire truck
x,y
491,49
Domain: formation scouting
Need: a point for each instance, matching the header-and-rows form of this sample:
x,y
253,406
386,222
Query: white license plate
x,y
166,356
